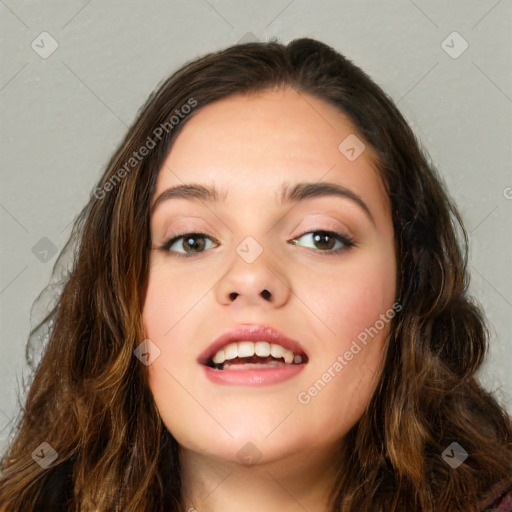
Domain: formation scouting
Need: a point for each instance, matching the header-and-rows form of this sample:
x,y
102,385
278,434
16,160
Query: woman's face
x,y
334,298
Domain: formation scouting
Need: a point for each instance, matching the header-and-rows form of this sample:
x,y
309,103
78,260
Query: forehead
x,y
250,143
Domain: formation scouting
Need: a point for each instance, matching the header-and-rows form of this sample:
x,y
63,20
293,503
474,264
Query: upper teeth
x,y
249,349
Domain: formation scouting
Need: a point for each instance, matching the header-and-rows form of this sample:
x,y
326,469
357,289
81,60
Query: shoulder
x,y
501,502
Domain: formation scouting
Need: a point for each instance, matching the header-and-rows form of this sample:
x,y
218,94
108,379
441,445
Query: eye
x,y
325,241
194,241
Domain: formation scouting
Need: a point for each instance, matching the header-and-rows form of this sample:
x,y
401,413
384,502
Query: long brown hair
x,y
89,397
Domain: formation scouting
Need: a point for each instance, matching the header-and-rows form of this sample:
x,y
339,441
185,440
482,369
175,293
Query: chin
x,y
245,448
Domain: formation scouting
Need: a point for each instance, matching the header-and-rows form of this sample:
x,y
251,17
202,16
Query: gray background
x,y
62,117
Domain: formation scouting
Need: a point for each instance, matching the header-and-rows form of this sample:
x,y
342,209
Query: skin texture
x,y
250,145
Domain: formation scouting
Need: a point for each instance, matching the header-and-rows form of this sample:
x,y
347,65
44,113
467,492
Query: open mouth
x,y
248,355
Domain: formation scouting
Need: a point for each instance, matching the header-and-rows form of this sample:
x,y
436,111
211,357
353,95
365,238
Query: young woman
x,y
267,310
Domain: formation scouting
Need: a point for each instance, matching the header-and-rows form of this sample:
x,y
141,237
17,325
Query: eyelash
x,y
346,240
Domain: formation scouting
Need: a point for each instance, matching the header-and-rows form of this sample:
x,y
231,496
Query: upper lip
x,y
250,333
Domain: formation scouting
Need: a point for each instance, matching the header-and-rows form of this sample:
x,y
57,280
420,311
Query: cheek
x,y
172,311
355,307
353,299
162,307
170,295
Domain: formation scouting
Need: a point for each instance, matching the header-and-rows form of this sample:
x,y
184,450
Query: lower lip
x,y
263,377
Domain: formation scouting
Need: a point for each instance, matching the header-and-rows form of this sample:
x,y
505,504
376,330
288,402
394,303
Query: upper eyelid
x,y
180,234
334,226
189,232
324,214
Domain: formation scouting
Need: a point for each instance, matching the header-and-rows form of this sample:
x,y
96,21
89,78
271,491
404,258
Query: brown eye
x,y
325,241
191,243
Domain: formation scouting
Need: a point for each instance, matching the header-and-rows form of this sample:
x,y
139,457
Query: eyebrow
x,y
289,194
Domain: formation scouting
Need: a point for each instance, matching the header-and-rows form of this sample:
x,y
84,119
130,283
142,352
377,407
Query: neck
x,y
302,481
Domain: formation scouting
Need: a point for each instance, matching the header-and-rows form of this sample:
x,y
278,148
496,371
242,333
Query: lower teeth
x,y
250,363
251,366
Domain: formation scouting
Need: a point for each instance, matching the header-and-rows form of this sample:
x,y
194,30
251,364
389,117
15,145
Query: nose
x,y
253,283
